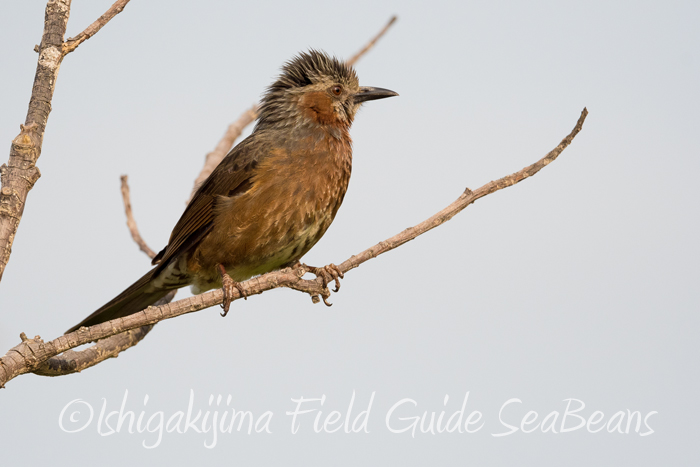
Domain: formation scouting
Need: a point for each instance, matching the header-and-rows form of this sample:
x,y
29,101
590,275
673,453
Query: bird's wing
x,y
231,177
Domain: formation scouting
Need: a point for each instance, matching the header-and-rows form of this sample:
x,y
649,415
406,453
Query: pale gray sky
x,y
579,283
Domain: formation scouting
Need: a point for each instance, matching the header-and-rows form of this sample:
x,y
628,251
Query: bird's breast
x,y
294,195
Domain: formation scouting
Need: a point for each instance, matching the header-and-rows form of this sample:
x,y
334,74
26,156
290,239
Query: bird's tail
x,y
138,296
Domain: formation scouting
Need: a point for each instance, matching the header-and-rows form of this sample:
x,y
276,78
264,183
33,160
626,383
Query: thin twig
x,y
29,355
371,43
131,222
467,198
73,43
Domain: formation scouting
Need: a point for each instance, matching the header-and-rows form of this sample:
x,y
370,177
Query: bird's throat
x,y
318,107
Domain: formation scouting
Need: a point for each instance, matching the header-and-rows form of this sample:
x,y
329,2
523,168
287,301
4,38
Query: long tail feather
x,y
138,296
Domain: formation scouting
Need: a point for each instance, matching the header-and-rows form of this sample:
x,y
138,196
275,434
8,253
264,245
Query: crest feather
x,y
310,67
305,69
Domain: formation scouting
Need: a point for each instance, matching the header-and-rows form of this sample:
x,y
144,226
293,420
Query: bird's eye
x,y
336,90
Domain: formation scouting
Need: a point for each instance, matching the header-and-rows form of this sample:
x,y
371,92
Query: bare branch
x,y
216,156
20,173
131,222
467,198
73,43
372,42
29,355
70,361
75,362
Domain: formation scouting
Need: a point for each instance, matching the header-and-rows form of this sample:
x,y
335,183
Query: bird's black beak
x,y
368,93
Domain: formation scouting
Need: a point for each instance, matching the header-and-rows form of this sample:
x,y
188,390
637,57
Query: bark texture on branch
x,y
30,354
75,362
20,173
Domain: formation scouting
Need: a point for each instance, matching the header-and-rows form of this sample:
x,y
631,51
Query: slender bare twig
x,y
71,361
372,42
73,43
467,198
30,355
131,222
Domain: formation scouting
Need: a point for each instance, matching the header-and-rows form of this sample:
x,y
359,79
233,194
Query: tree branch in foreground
x,y
20,173
30,354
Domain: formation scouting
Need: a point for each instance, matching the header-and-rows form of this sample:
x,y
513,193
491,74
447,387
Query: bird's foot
x,y
328,273
228,285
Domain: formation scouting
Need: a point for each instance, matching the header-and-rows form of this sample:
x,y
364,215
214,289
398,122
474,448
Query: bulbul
x,y
271,198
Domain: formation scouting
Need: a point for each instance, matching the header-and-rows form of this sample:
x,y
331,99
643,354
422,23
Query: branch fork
x,y
55,357
30,354
20,173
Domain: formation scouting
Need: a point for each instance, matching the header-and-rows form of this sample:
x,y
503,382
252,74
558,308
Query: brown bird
x,y
271,198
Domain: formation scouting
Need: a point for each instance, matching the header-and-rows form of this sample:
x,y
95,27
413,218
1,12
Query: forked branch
x,y
73,43
30,355
21,173
72,361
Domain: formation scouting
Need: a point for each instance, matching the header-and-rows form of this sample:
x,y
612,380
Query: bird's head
x,y
315,89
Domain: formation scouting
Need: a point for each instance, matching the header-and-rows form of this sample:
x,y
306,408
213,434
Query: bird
x,y
273,196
